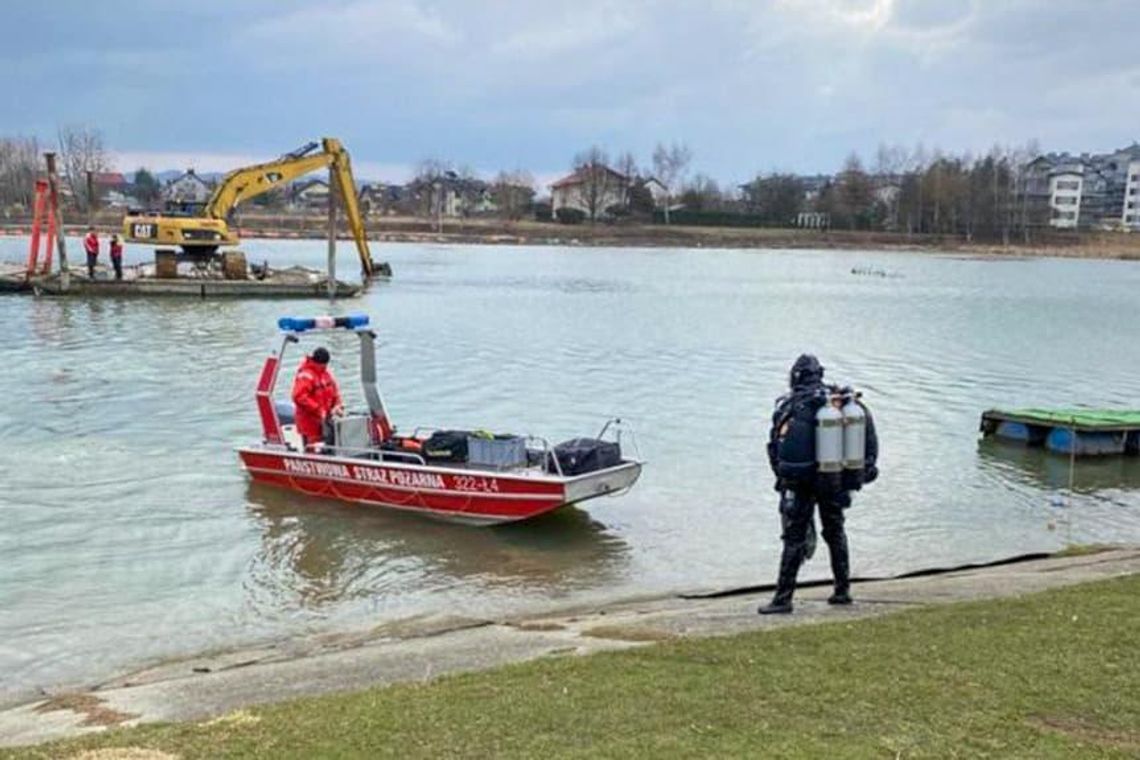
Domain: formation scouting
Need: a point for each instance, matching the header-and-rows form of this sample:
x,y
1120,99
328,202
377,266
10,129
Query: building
x,y
813,220
309,194
593,189
188,188
1065,186
112,190
1130,215
380,198
449,195
657,191
1082,192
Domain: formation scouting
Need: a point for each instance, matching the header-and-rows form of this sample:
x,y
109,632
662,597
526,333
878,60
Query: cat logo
x,y
144,230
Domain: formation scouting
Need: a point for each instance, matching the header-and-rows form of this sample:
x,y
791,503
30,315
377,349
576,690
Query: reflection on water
x,y
1036,467
318,552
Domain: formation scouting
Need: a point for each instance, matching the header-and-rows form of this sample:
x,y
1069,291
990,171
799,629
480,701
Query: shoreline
x,y
1089,245
419,650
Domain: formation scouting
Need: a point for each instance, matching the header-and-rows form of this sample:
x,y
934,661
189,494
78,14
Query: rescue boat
x,y
476,478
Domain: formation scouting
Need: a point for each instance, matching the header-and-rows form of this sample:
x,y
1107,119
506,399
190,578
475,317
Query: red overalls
x,y
315,395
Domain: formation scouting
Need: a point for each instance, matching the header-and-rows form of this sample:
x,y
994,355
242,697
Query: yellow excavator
x,y
201,230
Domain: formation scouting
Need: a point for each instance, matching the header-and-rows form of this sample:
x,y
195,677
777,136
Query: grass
x,y
1055,674
1084,550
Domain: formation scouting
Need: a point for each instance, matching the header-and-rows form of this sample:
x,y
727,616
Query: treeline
x,y
980,197
80,151
911,191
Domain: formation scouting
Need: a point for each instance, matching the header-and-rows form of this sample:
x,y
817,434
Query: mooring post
x,y
332,232
1072,453
61,243
90,198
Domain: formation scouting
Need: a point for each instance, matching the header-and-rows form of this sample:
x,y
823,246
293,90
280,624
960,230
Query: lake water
x,y
129,533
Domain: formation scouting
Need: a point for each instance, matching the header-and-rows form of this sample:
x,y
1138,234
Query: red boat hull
x,y
469,496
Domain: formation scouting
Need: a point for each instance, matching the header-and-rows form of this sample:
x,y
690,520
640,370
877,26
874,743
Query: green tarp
x,y
1087,419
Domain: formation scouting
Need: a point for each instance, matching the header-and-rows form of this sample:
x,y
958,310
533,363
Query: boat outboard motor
x,y
854,442
829,447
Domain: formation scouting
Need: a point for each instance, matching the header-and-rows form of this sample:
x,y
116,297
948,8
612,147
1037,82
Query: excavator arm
x,y
342,178
209,228
251,181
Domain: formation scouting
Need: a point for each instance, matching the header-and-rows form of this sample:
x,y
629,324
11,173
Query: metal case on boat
x,y
352,433
500,452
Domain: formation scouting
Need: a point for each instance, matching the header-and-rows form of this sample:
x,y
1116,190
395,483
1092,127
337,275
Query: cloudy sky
x,y
749,85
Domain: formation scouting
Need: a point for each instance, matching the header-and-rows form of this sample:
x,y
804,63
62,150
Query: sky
x,y
749,85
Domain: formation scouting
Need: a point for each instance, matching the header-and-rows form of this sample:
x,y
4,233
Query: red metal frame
x,y
270,422
37,222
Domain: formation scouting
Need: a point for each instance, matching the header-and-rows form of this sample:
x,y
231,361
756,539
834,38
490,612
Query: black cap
x,y
805,371
320,356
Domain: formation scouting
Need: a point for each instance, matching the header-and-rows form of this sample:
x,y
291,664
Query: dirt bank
x,y
500,232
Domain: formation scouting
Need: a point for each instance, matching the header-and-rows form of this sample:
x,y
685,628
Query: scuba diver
x,y
804,479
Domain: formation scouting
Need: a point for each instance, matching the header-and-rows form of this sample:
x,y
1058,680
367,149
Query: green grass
x,y
1055,674
1084,550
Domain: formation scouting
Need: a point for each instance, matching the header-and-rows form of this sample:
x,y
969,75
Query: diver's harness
x,y
823,438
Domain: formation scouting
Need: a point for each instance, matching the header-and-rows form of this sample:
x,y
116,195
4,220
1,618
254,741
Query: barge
x,y
1073,432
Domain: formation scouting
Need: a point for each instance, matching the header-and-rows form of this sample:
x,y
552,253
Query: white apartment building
x,y
1065,198
1130,214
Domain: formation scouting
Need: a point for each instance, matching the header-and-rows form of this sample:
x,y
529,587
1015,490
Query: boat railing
x,y
547,453
356,452
402,456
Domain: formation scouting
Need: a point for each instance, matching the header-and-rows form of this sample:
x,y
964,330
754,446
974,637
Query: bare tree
x,y
627,165
19,167
855,193
513,193
702,194
427,185
669,167
81,150
777,198
596,181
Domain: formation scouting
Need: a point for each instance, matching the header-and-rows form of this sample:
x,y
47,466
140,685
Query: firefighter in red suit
x,y
315,396
91,248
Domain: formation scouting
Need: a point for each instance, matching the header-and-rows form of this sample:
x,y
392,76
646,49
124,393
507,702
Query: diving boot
x,y
776,607
840,571
841,596
790,561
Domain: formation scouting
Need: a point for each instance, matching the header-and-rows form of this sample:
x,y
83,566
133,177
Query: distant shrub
x,y
712,219
542,212
567,215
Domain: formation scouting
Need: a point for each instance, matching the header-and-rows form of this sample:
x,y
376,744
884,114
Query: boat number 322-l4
x,y
471,483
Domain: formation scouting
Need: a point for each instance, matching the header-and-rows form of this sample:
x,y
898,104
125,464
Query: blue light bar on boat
x,y
303,324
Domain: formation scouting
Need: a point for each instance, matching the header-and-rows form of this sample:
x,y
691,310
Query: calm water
x,y
128,532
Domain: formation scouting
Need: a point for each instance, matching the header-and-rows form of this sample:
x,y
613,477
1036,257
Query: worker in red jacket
x,y
91,248
116,249
315,395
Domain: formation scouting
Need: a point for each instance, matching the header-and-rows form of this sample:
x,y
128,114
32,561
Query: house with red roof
x,y
593,189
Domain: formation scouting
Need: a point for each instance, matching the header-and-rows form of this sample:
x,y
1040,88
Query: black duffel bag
x,y
581,455
446,446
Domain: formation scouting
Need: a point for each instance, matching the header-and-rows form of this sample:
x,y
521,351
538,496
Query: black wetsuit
x,y
798,500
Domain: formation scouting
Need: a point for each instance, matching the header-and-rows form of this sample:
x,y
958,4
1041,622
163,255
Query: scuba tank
x,y
854,442
829,446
